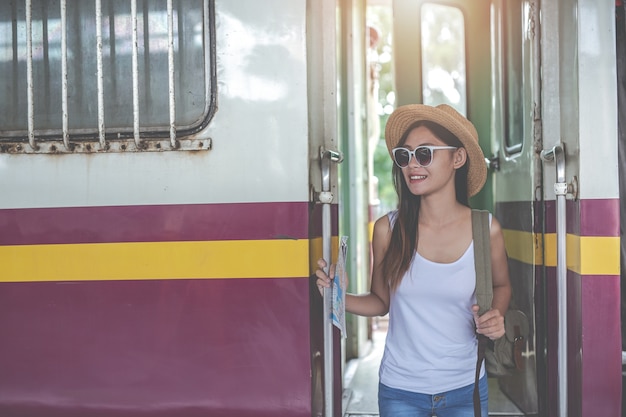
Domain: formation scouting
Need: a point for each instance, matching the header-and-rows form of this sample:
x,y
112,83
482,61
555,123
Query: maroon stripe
x,y
191,222
316,220
597,217
156,348
600,217
516,215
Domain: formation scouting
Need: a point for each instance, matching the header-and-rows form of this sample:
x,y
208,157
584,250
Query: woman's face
x,y
438,174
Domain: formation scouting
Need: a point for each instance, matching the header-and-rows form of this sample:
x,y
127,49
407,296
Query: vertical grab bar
x,y
30,87
64,84
326,198
170,71
135,72
100,75
557,155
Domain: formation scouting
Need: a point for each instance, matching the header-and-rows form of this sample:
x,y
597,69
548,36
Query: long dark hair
x,y
403,243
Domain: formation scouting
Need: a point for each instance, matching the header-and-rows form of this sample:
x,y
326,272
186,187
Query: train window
x,y
105,75
513,89
443,56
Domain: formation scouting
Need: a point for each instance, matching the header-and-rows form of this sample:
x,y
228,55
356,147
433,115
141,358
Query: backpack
x,y
504,355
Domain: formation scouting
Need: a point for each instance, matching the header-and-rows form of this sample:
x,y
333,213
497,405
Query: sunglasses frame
x,y
412,154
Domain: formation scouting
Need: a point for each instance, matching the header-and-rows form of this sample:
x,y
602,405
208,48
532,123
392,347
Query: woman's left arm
x,y
499,270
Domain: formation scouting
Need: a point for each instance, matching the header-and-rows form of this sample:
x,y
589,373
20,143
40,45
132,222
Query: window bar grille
x,y
207,59
100,75
16,70
65,115
170,65
135,69
29,75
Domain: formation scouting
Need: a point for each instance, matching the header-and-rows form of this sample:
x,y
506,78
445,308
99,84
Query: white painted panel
x,y
259,132
599,174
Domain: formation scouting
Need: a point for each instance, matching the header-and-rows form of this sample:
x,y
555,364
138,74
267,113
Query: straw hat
x,y
403,117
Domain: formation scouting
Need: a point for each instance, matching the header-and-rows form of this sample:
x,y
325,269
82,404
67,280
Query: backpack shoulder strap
x,y
482,259
484,287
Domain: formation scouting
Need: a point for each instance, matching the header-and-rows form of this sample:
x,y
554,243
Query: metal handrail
x,y
557,155
326,197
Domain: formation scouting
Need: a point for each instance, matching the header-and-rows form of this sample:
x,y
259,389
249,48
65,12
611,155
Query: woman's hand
x,y
490,324
323,279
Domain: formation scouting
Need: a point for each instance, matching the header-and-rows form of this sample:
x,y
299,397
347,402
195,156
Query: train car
x,y
170,175
159,207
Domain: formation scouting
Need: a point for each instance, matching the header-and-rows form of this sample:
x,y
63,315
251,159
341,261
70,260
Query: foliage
x,y
380,17
444,81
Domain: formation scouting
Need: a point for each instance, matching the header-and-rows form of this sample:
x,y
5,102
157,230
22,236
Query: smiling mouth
x,y
417,177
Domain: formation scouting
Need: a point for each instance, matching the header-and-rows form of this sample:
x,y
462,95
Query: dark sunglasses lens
x,y
402,157
424,156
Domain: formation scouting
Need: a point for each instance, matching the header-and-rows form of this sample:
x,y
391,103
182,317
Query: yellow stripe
x,y
586,255
523,246
316,251
550,252
156,260
598,255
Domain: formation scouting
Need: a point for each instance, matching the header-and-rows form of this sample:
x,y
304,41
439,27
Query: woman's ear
x,y
460,158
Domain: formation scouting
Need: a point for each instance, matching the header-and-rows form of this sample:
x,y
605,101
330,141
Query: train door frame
x,y
353,172
516,140
620,40
559,75
579,41
336,44
322,32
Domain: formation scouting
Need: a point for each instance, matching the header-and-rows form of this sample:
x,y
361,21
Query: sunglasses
x,y
423,155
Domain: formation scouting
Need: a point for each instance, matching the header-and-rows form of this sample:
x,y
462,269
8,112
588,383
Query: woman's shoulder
x,y
386,218
384,223
389,218
382,233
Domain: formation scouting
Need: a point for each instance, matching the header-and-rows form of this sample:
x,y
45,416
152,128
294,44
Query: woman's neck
x,y
442,210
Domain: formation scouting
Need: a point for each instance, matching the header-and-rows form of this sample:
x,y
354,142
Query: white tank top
x,y
431,345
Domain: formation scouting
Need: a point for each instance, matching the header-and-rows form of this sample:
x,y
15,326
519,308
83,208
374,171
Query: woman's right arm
x,y
376,302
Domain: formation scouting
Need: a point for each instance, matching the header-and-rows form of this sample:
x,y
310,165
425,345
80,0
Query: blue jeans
x,y
456,403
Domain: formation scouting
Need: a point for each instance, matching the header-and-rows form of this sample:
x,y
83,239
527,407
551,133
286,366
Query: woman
x,y
423,268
